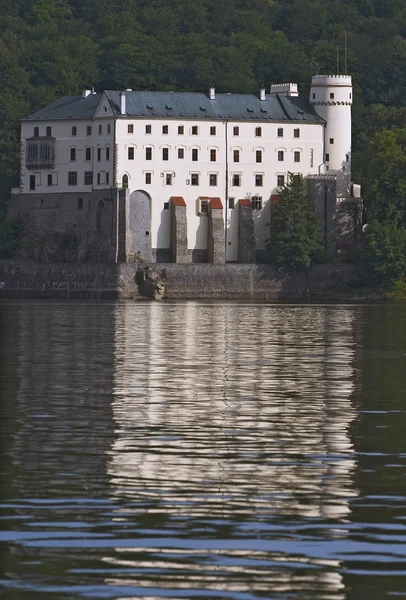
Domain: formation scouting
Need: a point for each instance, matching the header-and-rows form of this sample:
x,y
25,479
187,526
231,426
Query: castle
x,y
187,177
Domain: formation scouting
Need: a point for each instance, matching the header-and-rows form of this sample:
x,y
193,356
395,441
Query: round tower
x,y
331,98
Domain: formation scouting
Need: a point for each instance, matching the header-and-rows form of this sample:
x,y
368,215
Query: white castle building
x,y
175,176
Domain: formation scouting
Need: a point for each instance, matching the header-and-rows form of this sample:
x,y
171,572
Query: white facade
x,y
331,98
165,155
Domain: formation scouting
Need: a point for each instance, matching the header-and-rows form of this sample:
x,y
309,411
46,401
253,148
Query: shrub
x,y
383,254
11,232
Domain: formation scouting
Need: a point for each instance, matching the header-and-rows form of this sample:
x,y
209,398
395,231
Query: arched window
x,y
99,215
36,131
125,182
49,131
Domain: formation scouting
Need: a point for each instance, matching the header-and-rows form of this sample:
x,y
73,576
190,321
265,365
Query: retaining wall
x,y
26,279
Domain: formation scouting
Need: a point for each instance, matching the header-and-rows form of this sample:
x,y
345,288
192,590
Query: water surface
x,y
202,451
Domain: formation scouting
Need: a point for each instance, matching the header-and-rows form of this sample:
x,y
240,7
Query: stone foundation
x,y
27,279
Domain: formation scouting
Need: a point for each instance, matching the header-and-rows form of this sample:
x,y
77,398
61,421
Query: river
x,y
202,451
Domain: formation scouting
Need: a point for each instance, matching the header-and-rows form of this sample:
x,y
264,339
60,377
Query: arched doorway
x,y
139,222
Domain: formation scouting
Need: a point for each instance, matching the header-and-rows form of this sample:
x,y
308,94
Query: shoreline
x,y
22,279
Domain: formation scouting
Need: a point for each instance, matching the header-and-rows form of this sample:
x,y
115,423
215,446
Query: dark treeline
x,y
49,48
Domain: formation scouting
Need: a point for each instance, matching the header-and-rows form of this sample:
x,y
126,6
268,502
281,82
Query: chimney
x,y
262,94
212,93
86,93
122,103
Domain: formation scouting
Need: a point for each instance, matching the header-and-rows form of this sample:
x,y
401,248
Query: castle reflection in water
x,y
199,422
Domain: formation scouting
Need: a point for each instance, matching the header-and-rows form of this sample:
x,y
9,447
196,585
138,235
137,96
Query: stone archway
x,y
139,225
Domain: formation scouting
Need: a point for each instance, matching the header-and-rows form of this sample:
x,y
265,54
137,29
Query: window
x,y
49,179
74,131
314,96
258,156
130,153
231,202
148,178
109,128
124,182
148,128
296,133
203,206
281,155
256,202
236,155
148,153
72,178
181,153
99,154
107,178
80,203
213,154
168,179
259,180
258,131
89,130
347,157
331,140
236,130
296,156
327,157
213,179
165,129
107,153
331,96
236,180
88,177
73,154
195,179
195,154
98,179
130,128
181,130
36,131
49,131
165,153
280,132
166,205
100,129
280,180
32,182
88,153
195,130
212,130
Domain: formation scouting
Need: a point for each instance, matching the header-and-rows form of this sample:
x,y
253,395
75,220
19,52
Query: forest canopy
x,y
49,48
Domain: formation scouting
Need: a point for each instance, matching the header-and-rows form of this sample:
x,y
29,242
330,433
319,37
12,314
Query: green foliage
x,y
51,247
383,255
397,291
11,232
296,232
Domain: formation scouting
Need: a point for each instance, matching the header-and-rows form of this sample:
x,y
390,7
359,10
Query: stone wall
x,y
92,217
27,279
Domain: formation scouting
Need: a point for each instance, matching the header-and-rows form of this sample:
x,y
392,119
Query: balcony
x,y
40,153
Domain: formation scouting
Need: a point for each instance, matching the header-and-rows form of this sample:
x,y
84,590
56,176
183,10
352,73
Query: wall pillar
x,y
215,232
246,233
179,242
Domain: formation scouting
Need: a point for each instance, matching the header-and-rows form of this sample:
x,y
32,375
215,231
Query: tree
x,y
296,232
383,254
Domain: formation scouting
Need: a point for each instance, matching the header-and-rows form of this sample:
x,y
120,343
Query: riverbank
x,y
20,279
